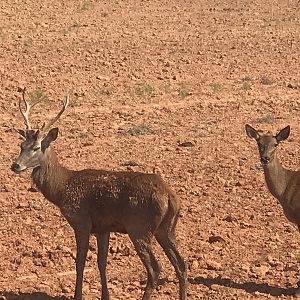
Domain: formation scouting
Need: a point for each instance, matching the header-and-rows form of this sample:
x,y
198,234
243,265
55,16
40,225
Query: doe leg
x,y
82,244
103,241
144,250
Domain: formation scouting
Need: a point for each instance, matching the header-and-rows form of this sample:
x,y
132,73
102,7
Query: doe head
x,y
35,142
267,142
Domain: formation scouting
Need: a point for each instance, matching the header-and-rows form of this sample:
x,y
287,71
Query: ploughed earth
x,y
163,86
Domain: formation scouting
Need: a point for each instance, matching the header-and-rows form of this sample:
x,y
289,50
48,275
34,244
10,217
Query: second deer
x,y
283,184
99,202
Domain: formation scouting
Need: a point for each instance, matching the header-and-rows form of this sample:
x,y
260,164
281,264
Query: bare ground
x,y
144,77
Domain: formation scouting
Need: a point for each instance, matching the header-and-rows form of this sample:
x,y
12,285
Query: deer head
x,y
35,142
267,142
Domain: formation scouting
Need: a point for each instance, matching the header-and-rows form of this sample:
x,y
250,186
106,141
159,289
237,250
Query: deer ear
x,y
49,138
283,134
251,132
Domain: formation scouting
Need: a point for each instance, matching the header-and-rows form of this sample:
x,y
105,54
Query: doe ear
x,y
49,138
283,134
251,132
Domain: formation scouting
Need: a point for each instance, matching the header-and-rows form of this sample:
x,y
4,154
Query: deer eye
x,y
36,149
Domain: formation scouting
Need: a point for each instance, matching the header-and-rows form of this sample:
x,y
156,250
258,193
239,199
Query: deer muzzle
x,y
265,160
17,168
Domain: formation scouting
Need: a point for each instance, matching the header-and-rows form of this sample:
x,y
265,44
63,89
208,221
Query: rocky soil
x,y
154,85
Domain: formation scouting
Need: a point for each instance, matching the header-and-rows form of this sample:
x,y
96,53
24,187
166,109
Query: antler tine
x,y
27,109
28,106
45,126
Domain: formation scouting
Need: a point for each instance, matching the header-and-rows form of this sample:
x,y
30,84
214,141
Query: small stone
x,y
99,77
45,288
261,270
22,205
8,188
157,170
186,144
245,267
229,218
291,267
239,183
213,265
66,289
66,249
215,238
265,80
215,287
292,86
20,89
195,265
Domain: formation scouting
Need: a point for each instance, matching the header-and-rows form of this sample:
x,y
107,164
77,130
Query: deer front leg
x,y
103,241
82,244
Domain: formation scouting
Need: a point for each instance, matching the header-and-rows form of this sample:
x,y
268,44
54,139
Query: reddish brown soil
x,y
145,76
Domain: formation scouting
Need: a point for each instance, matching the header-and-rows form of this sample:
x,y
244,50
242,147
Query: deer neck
x,y
51,177
277,178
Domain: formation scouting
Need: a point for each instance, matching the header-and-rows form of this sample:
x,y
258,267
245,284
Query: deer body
x,y
99,202
282,183
111,200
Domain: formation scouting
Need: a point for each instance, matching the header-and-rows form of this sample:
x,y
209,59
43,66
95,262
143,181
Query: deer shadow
x,y
249,287
31,296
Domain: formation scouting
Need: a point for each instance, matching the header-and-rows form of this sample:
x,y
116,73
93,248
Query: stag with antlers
x,y
100,201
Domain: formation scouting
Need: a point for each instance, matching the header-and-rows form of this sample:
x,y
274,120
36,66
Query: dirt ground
x,y
144,77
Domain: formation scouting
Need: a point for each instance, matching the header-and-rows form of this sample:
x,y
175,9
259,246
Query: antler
x,y
28,106
45,126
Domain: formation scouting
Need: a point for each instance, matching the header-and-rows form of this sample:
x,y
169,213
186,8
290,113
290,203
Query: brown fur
x,y
282,183
99,202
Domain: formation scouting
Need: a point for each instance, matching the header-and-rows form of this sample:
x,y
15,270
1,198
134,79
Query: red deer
x,y
99,202
282,183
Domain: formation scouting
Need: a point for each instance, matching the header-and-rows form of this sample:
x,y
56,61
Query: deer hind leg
x,y
82,244
144,250
167,240
103,241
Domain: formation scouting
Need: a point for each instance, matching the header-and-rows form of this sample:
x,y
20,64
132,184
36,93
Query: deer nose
x,y
265,160
15,167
